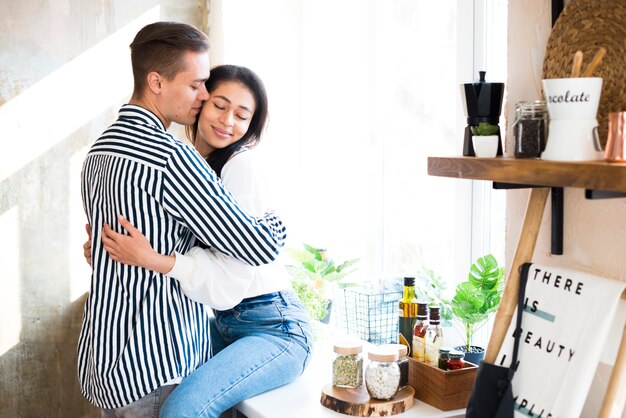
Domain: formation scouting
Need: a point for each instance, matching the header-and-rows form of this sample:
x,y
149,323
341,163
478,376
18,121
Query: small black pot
x,y
475,356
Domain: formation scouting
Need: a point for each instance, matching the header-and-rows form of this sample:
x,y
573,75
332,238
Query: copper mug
x,y
615,149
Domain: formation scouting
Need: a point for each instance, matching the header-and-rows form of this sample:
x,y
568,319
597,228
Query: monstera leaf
x,y
479,296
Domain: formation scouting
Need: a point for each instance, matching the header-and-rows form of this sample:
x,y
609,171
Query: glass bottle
x,y
530,128
456,360
419,331
348,365
443,358
382,375
434,338
407,312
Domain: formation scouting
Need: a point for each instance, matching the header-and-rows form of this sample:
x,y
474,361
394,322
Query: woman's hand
x,y
87,245
134,249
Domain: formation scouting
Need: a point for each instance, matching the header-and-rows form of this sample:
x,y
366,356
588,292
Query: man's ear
x,y
154,82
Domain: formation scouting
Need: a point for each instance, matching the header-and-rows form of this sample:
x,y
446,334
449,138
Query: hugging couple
x,y
188,311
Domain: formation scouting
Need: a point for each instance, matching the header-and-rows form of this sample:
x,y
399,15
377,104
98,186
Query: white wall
x,y
594,230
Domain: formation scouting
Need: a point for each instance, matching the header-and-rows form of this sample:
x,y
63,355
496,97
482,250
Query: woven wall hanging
x,y
587,25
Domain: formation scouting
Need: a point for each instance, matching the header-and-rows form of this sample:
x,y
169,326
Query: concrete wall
x,y
57,93
594,237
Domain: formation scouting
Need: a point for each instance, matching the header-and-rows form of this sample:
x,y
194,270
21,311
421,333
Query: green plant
x,y
478,297
485,129
431,288
314,301
311,274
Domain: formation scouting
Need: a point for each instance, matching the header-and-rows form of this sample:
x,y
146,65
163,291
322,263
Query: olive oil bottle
x,y
408,313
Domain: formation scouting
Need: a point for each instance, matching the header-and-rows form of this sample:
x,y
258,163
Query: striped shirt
x,y
139,330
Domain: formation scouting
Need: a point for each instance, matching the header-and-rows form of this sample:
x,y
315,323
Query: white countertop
x,y
301,398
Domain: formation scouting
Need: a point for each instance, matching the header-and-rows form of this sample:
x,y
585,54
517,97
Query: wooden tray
x,y
445,390
356,402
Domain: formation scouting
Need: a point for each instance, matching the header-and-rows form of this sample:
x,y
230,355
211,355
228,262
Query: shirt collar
x,y
135,112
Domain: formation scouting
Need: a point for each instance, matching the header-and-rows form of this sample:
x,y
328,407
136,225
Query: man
x,y
140,333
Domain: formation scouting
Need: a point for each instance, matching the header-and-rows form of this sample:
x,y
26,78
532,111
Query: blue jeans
x,y
262,343
146,407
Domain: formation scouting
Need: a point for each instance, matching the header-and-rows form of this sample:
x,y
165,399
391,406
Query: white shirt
x,y
215,279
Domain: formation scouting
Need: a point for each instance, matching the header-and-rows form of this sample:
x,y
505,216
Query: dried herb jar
x,y
530,128
382,375
348,365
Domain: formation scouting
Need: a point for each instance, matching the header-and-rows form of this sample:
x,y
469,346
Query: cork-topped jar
x,y
382,375
348,364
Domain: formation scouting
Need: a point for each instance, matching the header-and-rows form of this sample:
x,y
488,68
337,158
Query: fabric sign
x,y
566,319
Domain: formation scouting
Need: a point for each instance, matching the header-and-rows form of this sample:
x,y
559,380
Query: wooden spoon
x,y
595,62
578,61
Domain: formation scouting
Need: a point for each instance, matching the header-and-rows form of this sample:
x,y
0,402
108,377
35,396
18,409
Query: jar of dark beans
x,y
530,129
443,358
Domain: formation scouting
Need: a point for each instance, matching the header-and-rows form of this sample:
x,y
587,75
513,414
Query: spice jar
x,y
348,365
455,360
403,362
382,375
530,128
443,358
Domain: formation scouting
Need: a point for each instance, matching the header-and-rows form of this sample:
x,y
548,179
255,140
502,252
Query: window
x,y
360,94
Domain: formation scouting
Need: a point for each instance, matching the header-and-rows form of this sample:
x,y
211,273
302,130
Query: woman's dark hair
x,y
251,138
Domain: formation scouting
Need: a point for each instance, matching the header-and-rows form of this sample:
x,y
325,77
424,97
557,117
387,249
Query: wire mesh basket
x,y
371,316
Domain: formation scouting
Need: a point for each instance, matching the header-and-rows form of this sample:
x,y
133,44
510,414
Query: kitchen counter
x,y
301,398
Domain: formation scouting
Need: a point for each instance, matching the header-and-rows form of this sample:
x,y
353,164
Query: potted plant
x,y
312,274
476,299
485,139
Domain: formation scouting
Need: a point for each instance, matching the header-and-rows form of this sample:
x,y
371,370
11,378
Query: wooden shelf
x,y
593,175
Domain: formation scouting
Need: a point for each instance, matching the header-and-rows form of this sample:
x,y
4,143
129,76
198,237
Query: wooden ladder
x,y
615,397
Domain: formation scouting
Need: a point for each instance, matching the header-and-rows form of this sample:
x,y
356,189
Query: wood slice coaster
x,y
357,402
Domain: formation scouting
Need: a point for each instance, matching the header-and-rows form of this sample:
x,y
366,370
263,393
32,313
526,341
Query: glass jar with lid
x,y
403,362
444,352
455,360
348,364
530,128
382,375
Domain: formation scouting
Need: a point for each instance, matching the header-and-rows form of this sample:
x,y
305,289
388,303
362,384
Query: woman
x,y
261,335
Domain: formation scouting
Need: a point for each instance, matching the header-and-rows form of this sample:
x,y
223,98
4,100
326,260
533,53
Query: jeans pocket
x,y
258,314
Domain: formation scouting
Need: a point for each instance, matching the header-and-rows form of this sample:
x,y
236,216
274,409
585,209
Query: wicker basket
x,y
587,25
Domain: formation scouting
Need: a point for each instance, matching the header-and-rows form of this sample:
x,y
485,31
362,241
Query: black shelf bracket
x,y
557,220
498,185
557,194
602,194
